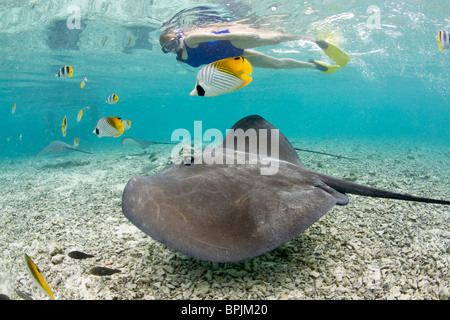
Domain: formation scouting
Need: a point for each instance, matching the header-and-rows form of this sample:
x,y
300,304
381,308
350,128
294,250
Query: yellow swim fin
x,y
325,68
336,54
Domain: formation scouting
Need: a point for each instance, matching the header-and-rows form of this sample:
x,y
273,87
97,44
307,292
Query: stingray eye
x,y
189,161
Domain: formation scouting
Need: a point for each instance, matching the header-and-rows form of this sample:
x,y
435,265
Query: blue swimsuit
x,y
211,51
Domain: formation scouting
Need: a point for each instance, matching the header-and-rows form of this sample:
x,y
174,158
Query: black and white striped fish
x,y
443,40
112,99
223,76
64,127
111,127
65,72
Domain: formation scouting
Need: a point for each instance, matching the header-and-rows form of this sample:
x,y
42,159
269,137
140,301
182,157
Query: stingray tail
x,y
344,186
324,153
82,151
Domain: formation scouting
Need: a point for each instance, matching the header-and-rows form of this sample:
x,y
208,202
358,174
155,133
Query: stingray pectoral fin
x,y
252,220
341,198
305,205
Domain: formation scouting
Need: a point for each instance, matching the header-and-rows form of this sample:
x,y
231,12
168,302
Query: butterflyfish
x,y
20,137
112,99
443,40
76,142
111,127
126,124
83,84
80,114
64,127
223,76
13,110
65,72
36,275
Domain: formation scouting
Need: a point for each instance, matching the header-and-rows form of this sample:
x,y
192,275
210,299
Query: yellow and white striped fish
x,y
80,114
36,275
111,127
443,40
112,99
223,76
13,110
83,84
76,142
65,72
64,127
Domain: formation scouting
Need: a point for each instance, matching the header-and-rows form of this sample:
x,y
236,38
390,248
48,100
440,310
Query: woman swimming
x,y
207,44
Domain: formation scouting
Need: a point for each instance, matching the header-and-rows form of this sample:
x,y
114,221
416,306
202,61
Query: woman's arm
x,y
246,39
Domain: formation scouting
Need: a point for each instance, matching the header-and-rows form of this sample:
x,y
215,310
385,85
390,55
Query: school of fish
x,y
217,78
106,127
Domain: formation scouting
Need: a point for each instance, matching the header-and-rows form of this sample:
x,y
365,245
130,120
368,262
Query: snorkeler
x,y
204,45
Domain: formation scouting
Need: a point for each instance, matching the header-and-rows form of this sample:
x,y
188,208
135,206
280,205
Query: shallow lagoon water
x,y
388,108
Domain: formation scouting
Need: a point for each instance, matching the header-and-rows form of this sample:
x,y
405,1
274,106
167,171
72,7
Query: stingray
x,y
58,146
232,212
129,141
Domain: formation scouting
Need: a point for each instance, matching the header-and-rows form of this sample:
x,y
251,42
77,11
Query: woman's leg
x,y
258,59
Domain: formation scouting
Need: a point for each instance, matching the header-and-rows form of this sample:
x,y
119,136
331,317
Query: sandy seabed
x,y
370,249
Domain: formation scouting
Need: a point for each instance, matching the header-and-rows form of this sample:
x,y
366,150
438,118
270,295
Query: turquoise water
x,y
395,87
388,108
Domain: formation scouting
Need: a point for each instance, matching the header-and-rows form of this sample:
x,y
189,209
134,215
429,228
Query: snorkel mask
x,y
172,41
171,45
